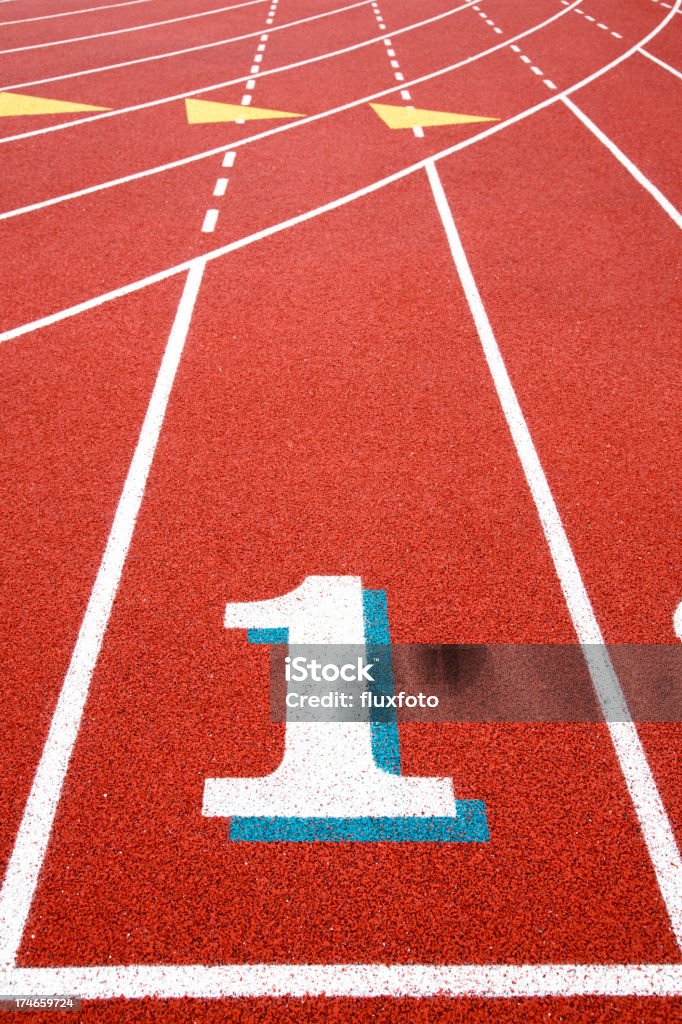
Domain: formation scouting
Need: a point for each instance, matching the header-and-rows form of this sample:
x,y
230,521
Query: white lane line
x,y
220,187
34,831
417,130
536,70
162,275
661,63
82,10
599,24
632,169
224,981
182,161
549,83
526,60
210,221
651,815
220,85
133,28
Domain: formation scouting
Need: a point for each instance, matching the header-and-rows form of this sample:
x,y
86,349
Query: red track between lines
x,y
335,413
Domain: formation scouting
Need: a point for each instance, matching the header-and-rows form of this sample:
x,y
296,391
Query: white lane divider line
x,y
522,56
30,845
82,10
210,221
599,24
132,28
417,131
632,169
649,809
489,21
220,187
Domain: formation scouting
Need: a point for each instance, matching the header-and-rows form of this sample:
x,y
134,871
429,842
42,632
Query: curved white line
x,y
66,14
162,275
205,154
135,28
175,53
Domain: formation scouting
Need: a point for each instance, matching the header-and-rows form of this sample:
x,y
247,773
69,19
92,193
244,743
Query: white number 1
x,y
328,771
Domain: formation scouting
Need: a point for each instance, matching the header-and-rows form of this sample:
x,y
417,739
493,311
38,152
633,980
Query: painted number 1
x,y
328,784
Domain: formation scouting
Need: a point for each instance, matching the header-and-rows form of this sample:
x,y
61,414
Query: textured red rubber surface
x,y
333,414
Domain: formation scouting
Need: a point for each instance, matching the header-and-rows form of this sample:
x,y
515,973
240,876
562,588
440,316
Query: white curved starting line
x,y
257,236
288,126
134,28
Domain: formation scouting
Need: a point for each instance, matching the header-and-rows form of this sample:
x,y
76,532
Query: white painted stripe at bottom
x,y
638,175
651,815
34,831
498,981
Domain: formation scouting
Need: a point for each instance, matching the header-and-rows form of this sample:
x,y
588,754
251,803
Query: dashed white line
x,y
95,301
220,187
599,24
651,815
210,221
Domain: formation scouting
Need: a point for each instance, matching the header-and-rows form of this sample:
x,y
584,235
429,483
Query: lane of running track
x,y
75,397
604,293
127,142
360,465
369,429
95,232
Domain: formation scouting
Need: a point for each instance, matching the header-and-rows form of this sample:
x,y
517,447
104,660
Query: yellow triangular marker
x,y
208,112
402,117
15,104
